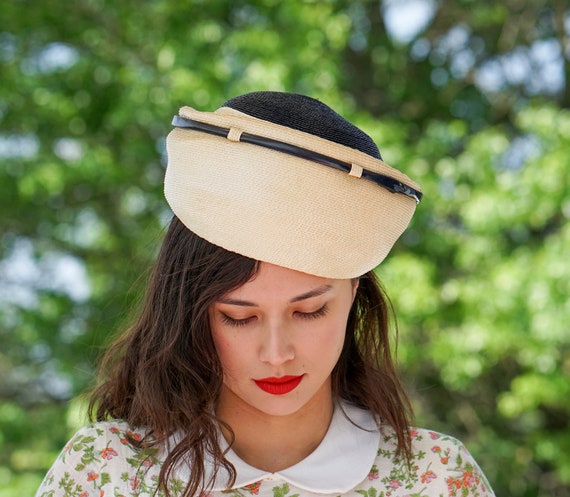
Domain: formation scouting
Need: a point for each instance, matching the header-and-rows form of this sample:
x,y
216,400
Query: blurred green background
x,y
470,98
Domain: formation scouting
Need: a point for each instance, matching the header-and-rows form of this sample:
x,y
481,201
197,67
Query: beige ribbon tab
x,y
356,171
234,134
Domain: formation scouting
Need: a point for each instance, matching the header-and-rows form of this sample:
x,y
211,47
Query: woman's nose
x,y
276,346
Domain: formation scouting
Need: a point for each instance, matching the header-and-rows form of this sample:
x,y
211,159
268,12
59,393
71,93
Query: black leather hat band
x,y
391,184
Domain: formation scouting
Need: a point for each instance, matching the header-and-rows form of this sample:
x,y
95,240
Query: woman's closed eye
x,y
321,311
236,322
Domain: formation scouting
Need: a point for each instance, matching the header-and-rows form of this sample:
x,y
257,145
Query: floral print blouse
x,y
355,461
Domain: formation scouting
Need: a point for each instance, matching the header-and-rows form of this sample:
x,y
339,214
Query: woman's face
x,y
278,338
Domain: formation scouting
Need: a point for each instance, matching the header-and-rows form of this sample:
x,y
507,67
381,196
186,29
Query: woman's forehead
x,y
272,281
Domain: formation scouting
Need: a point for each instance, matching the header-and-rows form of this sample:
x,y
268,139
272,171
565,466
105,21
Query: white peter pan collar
x,y
341,461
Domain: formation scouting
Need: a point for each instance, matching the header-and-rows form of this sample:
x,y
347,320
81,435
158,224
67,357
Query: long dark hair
x,y
163,374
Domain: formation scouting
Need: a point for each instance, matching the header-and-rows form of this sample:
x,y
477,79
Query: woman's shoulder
x,y
100,455
422,440
428,439
438,463
107,439
114,429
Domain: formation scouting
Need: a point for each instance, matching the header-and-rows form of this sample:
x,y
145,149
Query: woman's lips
x,y
279,386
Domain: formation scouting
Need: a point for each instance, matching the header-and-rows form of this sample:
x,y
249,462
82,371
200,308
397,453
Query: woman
x,y
261,361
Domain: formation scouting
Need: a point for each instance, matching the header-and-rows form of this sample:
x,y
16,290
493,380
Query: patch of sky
x,y
23,276
68,149
52,57
538,68
19,146
406,19
521,150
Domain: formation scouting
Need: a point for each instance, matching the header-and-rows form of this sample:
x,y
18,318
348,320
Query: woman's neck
x,y
273,443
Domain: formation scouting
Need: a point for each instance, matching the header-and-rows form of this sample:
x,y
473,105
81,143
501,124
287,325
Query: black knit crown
x,y
304,114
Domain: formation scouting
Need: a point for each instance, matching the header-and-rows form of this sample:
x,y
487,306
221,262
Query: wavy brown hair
x,y
164,375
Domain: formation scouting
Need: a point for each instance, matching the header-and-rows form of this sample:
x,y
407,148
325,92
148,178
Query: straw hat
x,y
282,178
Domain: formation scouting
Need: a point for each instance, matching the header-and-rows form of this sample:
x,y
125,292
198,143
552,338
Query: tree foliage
x,y
472,103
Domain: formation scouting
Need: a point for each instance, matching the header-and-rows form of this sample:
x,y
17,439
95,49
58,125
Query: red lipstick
x,y
279,386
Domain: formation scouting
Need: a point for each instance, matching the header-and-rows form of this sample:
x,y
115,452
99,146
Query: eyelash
x,y
314,315
235,322
303,315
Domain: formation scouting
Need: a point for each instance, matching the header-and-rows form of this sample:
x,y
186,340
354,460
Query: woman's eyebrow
x,y
243,303
313,293
304,296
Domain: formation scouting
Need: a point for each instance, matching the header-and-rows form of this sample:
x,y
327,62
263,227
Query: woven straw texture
x,y
281,209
